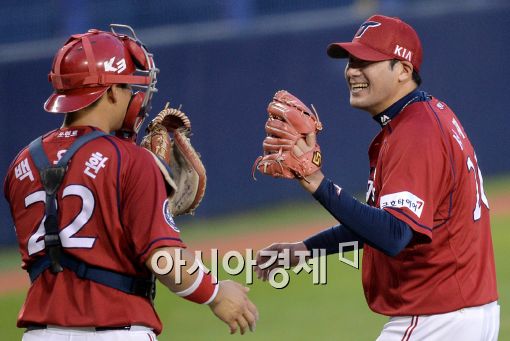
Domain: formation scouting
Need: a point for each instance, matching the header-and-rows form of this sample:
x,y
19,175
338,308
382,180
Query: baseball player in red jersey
x,y
91,209
428,259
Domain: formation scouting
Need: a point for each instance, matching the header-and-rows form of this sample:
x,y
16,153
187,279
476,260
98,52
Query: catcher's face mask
x,y
89,64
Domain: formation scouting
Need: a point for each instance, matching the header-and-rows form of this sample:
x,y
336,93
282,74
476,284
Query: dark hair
x,y
124,85
416,76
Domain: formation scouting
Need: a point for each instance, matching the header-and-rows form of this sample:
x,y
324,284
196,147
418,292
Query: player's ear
x,y
112,93
406,73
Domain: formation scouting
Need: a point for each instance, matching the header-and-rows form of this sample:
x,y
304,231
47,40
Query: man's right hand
x,y
279,248
232,306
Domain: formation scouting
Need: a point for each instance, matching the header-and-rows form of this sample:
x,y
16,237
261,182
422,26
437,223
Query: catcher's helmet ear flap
x,y
90,63
133,119
140,103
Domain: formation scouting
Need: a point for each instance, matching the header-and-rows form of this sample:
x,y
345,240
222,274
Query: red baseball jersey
x,y
112,214
424,172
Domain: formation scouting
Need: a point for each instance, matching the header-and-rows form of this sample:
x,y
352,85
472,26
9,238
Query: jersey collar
x,y
387,115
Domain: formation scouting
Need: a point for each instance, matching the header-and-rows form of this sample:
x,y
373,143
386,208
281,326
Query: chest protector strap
x,y
55,258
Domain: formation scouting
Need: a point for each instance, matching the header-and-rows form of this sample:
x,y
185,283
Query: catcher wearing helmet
x,y
93,210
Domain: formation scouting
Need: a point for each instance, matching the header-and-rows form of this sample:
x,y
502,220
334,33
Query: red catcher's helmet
x,y
89,64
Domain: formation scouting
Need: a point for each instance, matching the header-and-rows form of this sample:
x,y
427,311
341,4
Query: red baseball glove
x,y
168,137
290,123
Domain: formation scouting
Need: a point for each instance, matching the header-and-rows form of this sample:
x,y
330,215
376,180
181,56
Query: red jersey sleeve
x,y
144,205
412,175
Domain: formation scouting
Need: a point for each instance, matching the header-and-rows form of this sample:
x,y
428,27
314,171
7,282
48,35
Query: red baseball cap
x,y
382,38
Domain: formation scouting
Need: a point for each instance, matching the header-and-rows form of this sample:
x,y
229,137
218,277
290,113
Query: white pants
x,y
468,324
54,333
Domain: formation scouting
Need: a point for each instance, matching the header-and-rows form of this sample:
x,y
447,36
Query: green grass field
x,y
302,311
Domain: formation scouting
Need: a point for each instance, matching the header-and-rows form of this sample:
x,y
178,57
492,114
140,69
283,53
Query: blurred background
x,y
223,60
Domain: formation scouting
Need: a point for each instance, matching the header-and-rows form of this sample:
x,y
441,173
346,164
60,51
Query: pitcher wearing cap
x,y
428,260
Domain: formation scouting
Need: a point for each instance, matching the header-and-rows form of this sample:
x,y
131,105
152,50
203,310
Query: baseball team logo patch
x,y
365,26
168,217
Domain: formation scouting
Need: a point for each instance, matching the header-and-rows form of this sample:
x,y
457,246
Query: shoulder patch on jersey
x,y
403,199
168,217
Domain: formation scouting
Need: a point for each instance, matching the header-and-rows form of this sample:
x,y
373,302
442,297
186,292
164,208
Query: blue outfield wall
x,y
225,86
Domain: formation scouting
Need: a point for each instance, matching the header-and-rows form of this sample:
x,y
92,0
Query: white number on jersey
x,y
477,212
36,241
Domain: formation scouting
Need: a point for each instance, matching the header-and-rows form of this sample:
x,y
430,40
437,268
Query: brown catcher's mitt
x,y
289,121
168,137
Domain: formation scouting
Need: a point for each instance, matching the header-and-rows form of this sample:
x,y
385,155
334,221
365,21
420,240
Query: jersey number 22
x,y
36,241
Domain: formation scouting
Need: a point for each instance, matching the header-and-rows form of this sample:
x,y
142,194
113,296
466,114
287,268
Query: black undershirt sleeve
x,y
360,222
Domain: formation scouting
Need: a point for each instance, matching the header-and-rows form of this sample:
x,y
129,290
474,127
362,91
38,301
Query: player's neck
x,y
402,92
87,118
